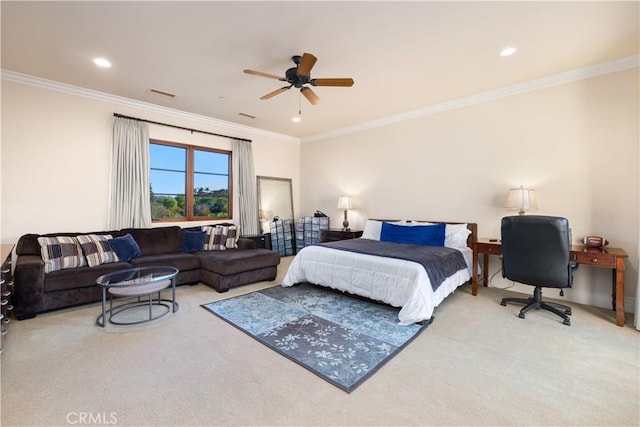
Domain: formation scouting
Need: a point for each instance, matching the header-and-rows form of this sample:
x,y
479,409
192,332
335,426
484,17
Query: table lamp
x,y
344,202
521,199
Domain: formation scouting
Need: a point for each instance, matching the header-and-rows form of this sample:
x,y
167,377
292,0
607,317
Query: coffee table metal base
x,y
148,290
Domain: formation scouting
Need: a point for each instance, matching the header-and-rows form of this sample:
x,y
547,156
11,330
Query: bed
x,y
390,279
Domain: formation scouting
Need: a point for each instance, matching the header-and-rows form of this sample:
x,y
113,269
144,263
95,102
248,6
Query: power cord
x,y
494,275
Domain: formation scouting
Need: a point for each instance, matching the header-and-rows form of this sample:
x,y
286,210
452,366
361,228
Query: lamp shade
x,y
344,202
521,199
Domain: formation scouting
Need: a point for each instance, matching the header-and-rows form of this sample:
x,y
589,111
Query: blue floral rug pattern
x,y
342,339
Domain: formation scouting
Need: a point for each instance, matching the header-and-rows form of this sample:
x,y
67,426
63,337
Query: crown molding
x,y
26,79
543,83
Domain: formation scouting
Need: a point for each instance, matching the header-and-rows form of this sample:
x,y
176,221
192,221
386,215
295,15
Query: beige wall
x,y
55,157
576,144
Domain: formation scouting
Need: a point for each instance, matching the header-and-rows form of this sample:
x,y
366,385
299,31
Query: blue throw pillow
x,y
125,247
428,235
193,241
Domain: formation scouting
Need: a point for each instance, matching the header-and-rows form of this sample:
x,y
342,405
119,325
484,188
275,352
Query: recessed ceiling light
x,y
296,119
508,51
102,62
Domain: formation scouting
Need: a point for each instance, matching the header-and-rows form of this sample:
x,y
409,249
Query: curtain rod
x,y
179,127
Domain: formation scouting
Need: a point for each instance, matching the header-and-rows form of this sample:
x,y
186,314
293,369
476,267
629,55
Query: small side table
x,y
335,234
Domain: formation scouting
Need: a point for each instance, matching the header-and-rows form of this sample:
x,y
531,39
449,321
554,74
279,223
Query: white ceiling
x,y
403,56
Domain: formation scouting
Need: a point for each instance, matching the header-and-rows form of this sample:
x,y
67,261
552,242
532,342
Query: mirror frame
x,y
283,193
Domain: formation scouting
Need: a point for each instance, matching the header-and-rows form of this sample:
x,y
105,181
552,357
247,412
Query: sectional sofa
x,y
37,291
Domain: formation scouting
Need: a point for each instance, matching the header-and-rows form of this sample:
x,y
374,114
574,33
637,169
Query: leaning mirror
x,y
275,199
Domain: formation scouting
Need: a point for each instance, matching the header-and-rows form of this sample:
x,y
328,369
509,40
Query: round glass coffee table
x,y
140,283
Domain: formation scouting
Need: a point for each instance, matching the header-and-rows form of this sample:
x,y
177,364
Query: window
x,y
189,183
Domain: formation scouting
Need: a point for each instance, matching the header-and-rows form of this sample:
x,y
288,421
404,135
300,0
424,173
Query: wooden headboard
x,y
472,226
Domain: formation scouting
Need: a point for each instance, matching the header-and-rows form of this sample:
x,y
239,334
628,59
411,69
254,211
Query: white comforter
x,y
394,281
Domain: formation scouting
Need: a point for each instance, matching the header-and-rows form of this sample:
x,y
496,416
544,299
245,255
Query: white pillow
x,y
455,235
373,228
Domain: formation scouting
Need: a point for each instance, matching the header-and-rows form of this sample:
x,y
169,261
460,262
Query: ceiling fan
x,y
299,76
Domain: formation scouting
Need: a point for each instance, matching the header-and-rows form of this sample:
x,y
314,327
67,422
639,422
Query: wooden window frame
x,y
189,181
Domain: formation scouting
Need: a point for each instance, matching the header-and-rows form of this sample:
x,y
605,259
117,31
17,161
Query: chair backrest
x,y
536,250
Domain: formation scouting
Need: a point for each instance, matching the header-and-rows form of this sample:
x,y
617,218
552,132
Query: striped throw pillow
x,y
61,252
221,237
214,239
233,234
97,249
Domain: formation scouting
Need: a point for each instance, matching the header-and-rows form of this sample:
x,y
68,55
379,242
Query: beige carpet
x,y
477,364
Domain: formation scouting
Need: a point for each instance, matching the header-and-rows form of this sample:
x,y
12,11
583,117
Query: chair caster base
x,y
537,303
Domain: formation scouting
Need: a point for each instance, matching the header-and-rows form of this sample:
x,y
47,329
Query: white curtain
x,y
129,204
246,188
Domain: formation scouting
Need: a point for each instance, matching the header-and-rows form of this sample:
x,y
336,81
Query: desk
x,y
606,257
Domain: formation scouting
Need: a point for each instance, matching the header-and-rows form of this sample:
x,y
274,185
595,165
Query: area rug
x,y
340,338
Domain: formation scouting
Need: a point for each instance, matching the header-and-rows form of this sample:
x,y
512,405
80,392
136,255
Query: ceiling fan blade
x,y
261,74
310,95
331,82
275,92
306,64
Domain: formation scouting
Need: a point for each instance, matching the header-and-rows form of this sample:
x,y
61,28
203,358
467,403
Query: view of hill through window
x,y
174,168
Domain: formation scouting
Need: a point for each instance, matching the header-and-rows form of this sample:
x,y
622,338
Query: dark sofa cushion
x,y
233,261
180,260
153,241
79,277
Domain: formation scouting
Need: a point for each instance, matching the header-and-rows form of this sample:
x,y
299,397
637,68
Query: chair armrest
x,y
573,266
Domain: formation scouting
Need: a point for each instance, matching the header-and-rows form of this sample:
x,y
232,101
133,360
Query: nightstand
x,y
485,247
335,234
262,241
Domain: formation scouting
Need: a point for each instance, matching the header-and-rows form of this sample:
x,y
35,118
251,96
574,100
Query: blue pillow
x,y
125,247
428,235
193,241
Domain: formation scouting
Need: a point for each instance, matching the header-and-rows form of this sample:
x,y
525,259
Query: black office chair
x,y
536,251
